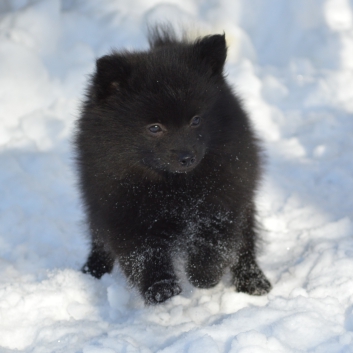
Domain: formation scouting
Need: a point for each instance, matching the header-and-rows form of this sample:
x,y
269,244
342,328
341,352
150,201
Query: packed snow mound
x,y
292,64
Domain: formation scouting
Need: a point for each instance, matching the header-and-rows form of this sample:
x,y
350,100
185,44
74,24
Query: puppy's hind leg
x,y
99,261
247,275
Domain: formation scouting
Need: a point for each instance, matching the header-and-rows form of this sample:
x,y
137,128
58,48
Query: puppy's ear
x,y
211,51
112,71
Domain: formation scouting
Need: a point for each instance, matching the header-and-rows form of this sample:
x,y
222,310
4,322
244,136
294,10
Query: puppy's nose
x,y
186,159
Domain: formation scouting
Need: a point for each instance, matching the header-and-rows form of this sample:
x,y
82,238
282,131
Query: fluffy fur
x,y
168,165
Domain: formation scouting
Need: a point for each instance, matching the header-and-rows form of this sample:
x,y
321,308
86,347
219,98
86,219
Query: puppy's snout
x,y
186,159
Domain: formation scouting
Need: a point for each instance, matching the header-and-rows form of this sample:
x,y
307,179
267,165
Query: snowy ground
x,y
292,62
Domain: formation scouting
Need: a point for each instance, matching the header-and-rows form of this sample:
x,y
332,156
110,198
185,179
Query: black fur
x,y
169,165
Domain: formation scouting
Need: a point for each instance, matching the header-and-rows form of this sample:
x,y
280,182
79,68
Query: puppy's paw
x,y
160,291
252,282
250,279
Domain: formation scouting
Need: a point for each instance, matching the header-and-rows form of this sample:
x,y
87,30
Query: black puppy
x,y
168,165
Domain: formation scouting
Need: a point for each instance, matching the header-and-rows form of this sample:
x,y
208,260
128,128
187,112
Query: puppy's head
x,y
157,108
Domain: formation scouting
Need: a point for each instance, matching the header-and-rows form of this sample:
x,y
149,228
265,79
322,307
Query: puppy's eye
x,y
195,121
156,129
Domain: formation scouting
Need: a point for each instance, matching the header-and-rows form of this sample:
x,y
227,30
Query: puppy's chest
x,y
190,211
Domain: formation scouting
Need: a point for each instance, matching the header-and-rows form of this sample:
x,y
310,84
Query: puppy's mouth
x,y
172,167
183,166
176,162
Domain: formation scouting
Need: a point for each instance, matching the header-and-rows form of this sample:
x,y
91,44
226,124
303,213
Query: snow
x,y
292,64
